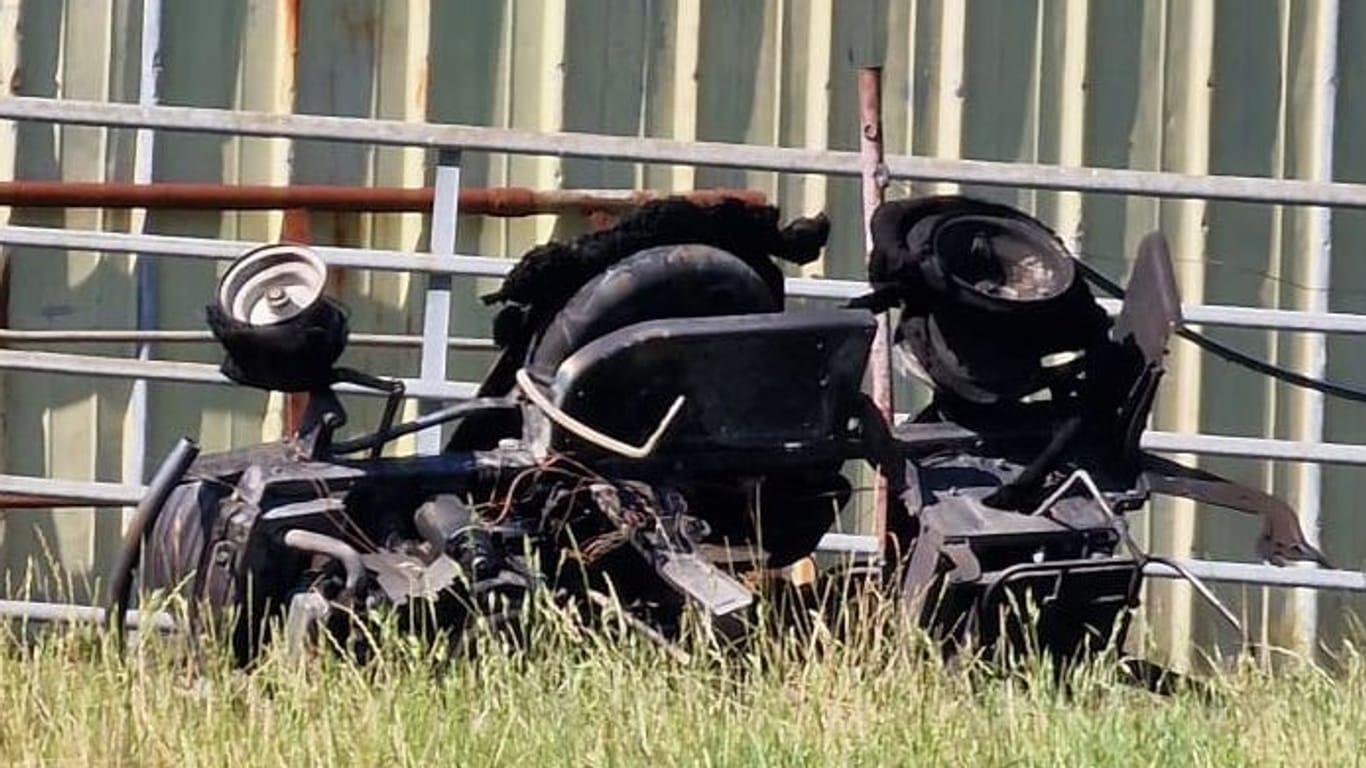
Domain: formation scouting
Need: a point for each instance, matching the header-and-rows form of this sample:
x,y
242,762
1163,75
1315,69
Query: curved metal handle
x,y
607,442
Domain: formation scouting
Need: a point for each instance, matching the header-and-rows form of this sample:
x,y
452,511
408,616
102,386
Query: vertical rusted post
x,y
874,187
296,227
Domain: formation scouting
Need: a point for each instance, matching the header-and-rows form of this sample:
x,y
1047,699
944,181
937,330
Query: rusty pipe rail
x,y
492,201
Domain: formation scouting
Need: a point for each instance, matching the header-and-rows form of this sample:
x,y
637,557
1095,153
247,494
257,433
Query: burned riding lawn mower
x,y
657,428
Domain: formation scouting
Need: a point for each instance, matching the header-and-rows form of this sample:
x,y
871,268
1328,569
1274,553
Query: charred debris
x,y
659,428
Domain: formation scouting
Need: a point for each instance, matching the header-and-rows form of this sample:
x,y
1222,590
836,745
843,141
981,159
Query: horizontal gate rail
x,y
194,373
70,613
1261,575
671,151
228,250
1255,448
485,266
45,336
90,492
1228,572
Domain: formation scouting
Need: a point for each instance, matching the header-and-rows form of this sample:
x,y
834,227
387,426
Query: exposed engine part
x,y
451,529
321,544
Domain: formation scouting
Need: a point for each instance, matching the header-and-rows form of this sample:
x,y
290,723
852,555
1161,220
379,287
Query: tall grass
x,y
579,697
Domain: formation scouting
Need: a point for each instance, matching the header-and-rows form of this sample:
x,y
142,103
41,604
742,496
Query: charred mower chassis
x,y
658,428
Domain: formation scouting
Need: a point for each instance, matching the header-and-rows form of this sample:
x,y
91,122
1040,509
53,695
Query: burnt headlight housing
x,y
279,330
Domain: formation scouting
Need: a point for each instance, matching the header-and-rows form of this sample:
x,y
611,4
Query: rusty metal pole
x,y
296,227
874,187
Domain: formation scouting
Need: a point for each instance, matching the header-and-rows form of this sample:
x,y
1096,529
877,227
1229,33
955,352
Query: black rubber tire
x,y
654,284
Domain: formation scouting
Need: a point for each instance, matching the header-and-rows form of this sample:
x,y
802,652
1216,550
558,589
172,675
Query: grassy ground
x,y
578,699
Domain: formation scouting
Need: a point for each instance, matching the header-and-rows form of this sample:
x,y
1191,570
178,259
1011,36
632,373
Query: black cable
x,y
1290,377
1225,352
449,413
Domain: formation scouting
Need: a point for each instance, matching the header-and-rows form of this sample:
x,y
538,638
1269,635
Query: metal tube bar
x,y
691,153
1255,448
144,269
1206,570
322,544
496,201
1263,575
18,491
229,250
1316,276
436,308
82,492
483,266
70,613
200,373
35,336
92,365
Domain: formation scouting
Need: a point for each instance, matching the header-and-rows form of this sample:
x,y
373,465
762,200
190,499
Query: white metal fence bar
x,y
399,133
115,494
228,250
112,494
1258,317
1256,448
201,373
1209,570
144,269
485,266
165,370
61,613
1166,442
436,307
692,153
45,336
1262,575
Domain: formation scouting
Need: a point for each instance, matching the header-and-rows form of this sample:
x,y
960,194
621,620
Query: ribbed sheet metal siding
x,y
1186,85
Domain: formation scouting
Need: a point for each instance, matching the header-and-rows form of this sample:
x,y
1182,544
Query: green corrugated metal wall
x,y
1195,86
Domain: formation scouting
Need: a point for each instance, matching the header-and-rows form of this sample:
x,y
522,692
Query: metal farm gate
x,y
1210,120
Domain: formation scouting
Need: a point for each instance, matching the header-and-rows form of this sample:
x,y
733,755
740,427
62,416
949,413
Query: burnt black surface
x,y
985,292
295,355
775,383
677,282
549,274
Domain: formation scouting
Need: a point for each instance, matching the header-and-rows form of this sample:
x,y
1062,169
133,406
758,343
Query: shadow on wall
x,y
64,426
